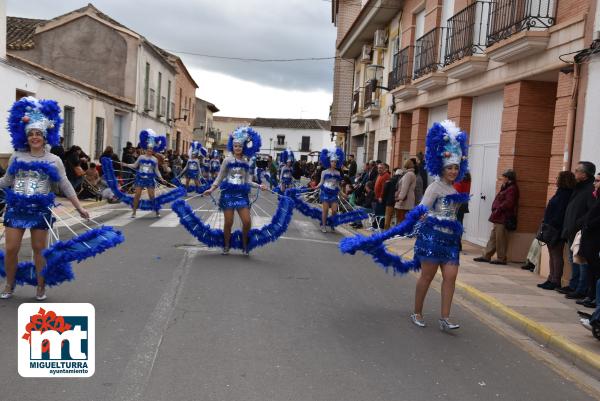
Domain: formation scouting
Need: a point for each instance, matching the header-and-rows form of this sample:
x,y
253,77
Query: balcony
x,y
466,41
519,28
357,116
399,80
370,101
428,60
280,145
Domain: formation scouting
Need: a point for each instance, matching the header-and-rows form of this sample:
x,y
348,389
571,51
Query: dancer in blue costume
x,y
331,160
433,221
235,183
146,167
194,165
286,179
32,170
215,164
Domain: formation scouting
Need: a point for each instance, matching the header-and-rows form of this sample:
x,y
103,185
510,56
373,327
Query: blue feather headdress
x,y
151,140
196,149
332,155
248,138
214,154
287,156
30,113
446,145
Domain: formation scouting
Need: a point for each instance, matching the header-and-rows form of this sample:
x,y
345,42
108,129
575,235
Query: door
x,y
484,142
360,156
117,139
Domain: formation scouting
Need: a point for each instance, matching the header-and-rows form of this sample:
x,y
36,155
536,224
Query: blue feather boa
x,y
59,256
212,237
42,167
25,202
144,204
309,211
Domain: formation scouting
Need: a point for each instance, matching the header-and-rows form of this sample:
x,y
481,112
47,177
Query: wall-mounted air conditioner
x,y
380,39
365,56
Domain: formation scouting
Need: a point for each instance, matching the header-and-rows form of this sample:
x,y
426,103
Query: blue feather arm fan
x,y
314,213
257,237
193,188
144,204
374,245
59,256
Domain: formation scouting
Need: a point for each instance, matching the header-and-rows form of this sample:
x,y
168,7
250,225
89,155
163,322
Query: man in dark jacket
x,y
589,247
504,208
580,202
351,167
389,198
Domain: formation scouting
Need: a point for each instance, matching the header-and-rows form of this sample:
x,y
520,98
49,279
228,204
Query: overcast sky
x,y
265,29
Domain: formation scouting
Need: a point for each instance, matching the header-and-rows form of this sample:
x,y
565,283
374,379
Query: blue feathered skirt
x,y
31,212
191,174
145,180
234,196
329,195
438,241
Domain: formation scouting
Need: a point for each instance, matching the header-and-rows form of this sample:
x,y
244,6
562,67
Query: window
x,y
158,98
68,126
147,88
21,94
168,113
382,151
172,115
99,137
163,106
281,140
305,146
150,100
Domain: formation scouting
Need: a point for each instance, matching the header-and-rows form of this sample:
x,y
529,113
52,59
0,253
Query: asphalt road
x,y
294,321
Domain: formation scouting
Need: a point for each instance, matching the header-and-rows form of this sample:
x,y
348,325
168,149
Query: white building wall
x,y
144,120
590,142
13,79
319,139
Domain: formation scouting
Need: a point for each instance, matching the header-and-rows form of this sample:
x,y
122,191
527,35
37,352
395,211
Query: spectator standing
x,y
580,202
554,216
373,171
419,186
126,149
504,209
383,175
589,247
405,191
422,170
352,167
59,150
389,197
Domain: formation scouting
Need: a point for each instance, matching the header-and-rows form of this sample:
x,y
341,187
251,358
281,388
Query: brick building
x,y
497,68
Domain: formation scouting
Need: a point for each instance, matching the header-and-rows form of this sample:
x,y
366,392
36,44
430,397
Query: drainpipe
x,y
571,118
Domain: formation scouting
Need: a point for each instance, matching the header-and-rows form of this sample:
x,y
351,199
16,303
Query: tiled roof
x,y
19,32
294,123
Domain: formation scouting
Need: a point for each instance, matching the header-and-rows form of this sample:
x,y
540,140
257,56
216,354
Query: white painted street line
x,y
319,241
139,368
124,219
170,220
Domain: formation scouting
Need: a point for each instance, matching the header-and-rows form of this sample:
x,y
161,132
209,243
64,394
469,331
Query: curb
x,y
545,336
576,354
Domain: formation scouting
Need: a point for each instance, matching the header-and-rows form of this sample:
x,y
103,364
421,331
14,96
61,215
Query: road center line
x,y
139,368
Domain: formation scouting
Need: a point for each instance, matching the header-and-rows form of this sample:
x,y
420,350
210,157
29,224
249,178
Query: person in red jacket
x,y
383,176
504,210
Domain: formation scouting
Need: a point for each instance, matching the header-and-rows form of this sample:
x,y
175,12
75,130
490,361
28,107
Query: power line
x,y
257,60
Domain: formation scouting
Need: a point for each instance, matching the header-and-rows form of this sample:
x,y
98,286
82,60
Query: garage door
x,y
486,120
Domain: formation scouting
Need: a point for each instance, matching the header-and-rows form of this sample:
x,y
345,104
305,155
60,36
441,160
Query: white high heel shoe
x,y
417,320
446,325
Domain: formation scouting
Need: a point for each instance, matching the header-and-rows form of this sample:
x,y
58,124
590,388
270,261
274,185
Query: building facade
x,y
304,137
226,125
500,69
182,110
129,95
204,130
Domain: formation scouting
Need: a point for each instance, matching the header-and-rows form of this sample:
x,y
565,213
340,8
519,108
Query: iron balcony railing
x,y
467,32
355,101
429,50
370,88
401,72
508,17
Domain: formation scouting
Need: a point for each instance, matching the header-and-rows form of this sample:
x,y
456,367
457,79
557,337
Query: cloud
x,y
241,28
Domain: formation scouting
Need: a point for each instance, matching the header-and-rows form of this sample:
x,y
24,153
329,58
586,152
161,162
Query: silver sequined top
x,y
233,175
145,168
442,209
33,182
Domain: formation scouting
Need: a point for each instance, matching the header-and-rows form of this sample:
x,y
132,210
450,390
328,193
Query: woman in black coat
x,y
590,244
554,216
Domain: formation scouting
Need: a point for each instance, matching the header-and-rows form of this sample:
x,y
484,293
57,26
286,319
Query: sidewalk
x,y
512,294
